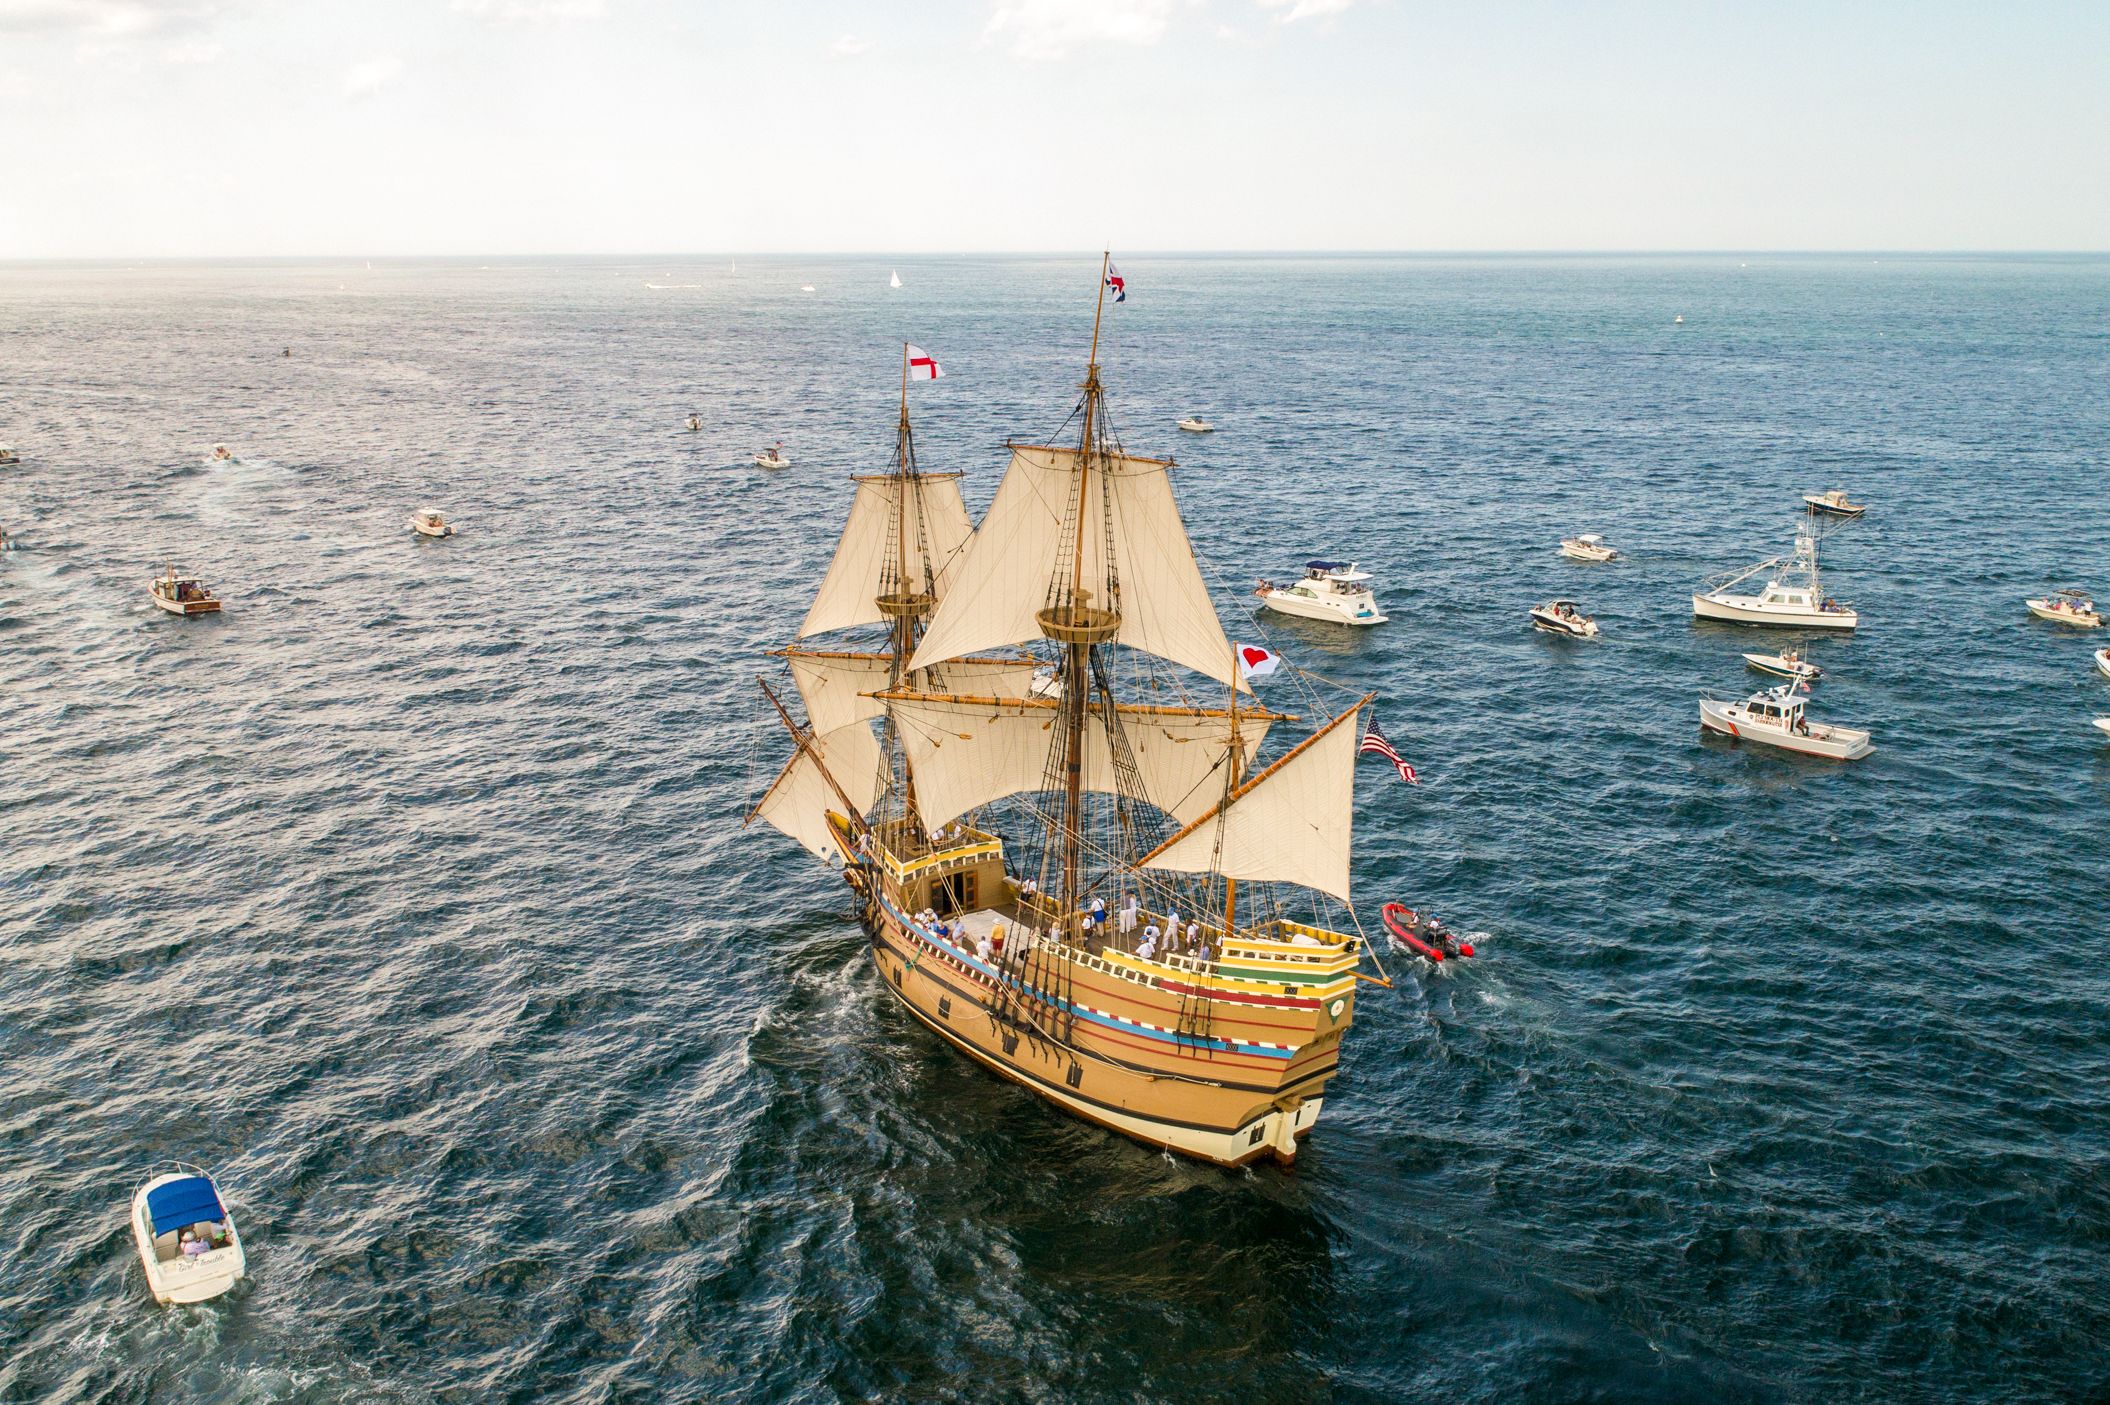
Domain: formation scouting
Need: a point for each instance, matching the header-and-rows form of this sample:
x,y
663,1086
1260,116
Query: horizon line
x,y
766,254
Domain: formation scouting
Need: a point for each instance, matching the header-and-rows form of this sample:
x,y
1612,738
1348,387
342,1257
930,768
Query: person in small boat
x,y
193,1245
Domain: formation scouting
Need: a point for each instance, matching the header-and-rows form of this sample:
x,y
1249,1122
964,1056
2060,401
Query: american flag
x,y
1374,740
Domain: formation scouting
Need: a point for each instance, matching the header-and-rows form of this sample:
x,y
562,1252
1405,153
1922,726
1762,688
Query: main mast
x,y
904,602
1076,624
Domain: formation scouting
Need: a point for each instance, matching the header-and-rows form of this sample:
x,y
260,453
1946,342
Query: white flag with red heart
x,y
1255,662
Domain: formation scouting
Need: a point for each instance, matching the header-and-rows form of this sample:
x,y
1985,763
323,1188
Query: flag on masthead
x,y
1256,662
921,367
1117,283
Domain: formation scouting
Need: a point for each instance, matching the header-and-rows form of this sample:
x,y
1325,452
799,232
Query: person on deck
x,y
1128,915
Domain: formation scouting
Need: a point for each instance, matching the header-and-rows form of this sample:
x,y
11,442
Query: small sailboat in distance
x,y
894,281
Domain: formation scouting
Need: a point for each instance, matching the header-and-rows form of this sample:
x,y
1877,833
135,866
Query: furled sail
x,y
969,752
798,801
874,533
1289,824
834,685
1021,546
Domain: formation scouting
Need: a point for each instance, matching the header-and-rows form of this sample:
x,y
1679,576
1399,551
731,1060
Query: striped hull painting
x,y
1247,1086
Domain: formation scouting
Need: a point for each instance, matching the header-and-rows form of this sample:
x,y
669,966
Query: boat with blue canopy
x,y
186,1237
1334,591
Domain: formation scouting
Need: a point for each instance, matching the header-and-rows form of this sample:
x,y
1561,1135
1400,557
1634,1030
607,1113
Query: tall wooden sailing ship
x,y
1016,843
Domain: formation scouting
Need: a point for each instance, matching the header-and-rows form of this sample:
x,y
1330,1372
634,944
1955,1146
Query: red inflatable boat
x,y
1423,935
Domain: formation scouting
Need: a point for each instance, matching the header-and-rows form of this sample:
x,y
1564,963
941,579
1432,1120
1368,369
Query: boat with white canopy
x,y
1195,424
2102,662
1778,717
1793,595
2072,606
1587,547
186,1237
8,455
1335,591
426,522
1563,617
773,457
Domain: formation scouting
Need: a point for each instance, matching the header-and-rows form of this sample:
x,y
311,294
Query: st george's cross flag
x,y
1115,281
921,367
1374,740
1256,662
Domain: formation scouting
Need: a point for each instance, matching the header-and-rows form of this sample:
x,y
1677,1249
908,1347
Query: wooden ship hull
x,y
1226,1061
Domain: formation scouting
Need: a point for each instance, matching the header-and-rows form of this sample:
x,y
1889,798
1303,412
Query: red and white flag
x,y
1374,740
921,367
1117,283
1256,662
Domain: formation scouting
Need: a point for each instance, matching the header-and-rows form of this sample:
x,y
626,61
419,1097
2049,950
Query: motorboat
x,y
1792,595
773,458
8,454
2102,662
1423,934
222,454
2103,723
427,523
805,287
1334,591
1788,663
1563,617
1045,683
184,595
1834,503
1678,321
186,1237
1777,717
2072,606
695,421
1195,424
1587,547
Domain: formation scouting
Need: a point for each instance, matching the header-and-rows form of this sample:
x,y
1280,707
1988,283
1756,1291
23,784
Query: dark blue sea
x,y
411,893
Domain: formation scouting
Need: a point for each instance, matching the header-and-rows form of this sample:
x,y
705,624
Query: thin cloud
x,y
101,19
1305,9
193,51
370,76
530,11
849,46
1043,30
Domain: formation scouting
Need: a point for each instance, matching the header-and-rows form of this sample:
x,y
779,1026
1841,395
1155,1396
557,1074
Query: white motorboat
x,y
8,454
1587,547
427,523
1788,663
2070,606
1834,503
222,454
1792,595
186,1237
2102,662
1333,591
773,458
1678,321
2103,723
1563,617
1045,683
1195,424
1776,718
695,421
805,287
183,595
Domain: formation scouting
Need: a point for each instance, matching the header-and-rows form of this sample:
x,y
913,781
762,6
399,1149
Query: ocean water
x,y
411,893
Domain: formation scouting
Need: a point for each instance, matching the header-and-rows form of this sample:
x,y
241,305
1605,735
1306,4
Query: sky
x,y
236,128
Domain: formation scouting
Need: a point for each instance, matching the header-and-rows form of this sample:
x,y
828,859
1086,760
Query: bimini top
x,y
1325,565
186,1202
